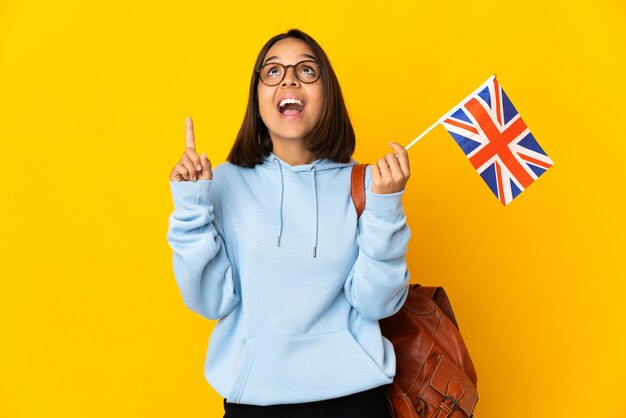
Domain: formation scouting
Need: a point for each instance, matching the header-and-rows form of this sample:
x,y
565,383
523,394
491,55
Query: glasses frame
x,y
285,69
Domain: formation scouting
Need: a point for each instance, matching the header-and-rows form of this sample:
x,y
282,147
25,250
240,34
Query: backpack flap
x,y
454,386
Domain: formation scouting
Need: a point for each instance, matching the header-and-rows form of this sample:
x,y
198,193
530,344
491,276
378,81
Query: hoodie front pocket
x,y
298,369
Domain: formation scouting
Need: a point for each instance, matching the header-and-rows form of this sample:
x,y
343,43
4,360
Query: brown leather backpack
x,y
435,377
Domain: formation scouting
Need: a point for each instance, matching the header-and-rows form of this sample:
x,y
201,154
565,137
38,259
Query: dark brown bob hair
x,y
332,138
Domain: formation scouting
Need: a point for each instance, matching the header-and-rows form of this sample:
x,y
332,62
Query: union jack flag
x,y
497,142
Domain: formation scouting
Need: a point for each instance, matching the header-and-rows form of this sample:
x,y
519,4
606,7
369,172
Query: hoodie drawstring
x,y
280,212
315,203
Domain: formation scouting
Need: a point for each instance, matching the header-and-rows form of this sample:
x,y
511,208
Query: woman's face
x,y
290,125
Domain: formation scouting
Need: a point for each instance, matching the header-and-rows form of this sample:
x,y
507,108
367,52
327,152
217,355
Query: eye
x,y
308,70
272,71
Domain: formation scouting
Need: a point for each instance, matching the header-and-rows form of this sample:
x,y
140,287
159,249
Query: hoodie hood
x,y
274,162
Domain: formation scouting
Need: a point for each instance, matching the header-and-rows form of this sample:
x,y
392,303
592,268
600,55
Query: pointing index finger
x,y
190,140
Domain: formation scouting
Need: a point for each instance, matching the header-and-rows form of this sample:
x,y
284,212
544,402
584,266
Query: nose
x,y
290,79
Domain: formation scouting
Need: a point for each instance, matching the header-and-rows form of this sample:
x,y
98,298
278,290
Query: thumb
x,y
206,167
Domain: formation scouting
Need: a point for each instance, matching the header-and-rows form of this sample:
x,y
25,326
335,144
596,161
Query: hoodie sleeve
x,y
201,266
377,285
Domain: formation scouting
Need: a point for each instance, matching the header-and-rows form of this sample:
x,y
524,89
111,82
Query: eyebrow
x,y
299,56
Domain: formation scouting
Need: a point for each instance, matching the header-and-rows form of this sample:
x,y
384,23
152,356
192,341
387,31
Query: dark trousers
x,y
371,403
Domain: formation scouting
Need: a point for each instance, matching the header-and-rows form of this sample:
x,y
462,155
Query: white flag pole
x,y
461,103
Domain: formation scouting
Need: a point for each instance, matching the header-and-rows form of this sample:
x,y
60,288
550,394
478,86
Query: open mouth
x,y
291,107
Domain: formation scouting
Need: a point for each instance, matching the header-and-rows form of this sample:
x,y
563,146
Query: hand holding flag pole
x,y
496,140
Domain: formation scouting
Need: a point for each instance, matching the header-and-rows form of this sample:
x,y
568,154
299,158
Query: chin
x,y
289,135
290,129
294,133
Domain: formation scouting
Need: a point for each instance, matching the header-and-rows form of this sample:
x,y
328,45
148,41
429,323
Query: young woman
x,y
268,243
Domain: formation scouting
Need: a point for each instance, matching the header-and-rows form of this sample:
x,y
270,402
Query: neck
x,y
292,152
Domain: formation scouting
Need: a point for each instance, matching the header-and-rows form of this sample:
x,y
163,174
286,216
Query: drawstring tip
x,y
314,251
278,240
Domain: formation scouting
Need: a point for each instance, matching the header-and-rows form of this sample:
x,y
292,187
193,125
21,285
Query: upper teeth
x,y
285,101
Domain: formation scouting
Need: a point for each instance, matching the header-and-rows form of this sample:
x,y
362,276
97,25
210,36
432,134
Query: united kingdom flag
x,y
497,142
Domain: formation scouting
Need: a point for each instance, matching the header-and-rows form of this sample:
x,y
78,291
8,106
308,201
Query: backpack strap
x,y
357,188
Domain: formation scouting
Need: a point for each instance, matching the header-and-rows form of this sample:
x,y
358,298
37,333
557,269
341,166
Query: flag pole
x,y
461,103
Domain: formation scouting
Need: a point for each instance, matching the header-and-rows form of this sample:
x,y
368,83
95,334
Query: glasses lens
x,y
306,71
272,73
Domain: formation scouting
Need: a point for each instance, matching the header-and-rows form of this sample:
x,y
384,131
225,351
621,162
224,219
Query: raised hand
x,y
190,166
392,171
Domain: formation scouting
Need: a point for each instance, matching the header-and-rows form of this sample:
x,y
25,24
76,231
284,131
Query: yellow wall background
x,y
93,97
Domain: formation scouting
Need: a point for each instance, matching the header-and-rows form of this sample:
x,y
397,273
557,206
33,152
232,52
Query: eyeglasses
x,y
307,71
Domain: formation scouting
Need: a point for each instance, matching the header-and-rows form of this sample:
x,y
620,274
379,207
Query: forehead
x,y
289,50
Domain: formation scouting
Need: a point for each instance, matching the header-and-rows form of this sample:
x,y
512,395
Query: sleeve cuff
x,y
386,206
189,195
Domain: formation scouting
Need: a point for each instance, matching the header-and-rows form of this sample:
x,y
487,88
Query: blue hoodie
x,y
275,254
